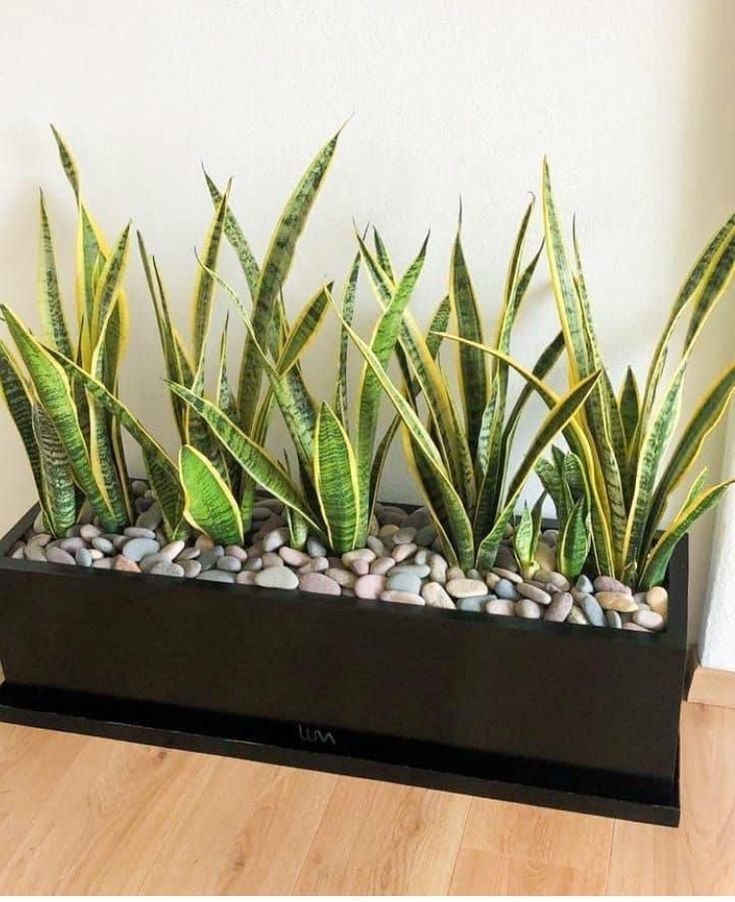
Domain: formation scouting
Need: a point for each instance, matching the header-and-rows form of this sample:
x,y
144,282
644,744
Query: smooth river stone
x,y
505,589
404,552
504,573
277,578
104,545
344,578
314,565
151,518
649,620
229,563
623,602
501,607
397,597
271,559
216,576
419,570
592,611
274,539
73,545
657,598
59,556
125,564
376,546
576,616
245,578
167,568
560,607
318,583
173,549
534,593
635,627
425,536
136,549
293,557
466,588
192,568
404,535
403,582
105,563
613,620
551,577
584,584
369,586
528,609
237,551
438,568
436,596
382,565
476,605
315,548
89,531
610,584
35,552
147,563
360,554
360,567
83,557
139,532
253,563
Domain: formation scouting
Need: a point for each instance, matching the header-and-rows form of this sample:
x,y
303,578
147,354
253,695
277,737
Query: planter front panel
x,y
583,697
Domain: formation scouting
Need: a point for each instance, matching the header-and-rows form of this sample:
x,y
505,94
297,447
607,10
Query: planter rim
x,y
673,637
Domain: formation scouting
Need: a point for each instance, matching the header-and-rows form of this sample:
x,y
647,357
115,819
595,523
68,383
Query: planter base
x,y
344,752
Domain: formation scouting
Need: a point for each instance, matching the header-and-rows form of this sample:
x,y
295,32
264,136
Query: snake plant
x,y
73,444
623,439
461,468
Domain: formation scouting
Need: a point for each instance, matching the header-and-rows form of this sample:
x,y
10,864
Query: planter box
x,y
550,714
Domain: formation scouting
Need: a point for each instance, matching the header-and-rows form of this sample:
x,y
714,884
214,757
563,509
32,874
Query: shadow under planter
x,y
548,714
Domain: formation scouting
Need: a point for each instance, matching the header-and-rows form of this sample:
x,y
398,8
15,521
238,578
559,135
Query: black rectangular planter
x,y
549,714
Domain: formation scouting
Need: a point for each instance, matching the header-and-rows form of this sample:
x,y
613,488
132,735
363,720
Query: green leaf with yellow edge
x,y
574,542
209,505
253,458
629,403
336,481
204,285
59,491
655,567
68,163
54,394
348,310
273,275
304,330
49,294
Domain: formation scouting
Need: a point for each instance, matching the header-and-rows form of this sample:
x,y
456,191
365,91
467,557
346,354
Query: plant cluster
x,y
610,482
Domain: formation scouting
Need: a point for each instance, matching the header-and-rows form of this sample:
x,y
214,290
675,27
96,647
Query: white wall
x,y
631,100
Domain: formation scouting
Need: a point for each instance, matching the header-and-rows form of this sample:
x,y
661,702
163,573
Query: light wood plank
x,y
377,838
31,764
712,687
517,849
488,874
246,830
102,826
699,857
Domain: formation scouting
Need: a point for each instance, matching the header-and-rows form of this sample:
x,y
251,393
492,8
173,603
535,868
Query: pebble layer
x,y
402,564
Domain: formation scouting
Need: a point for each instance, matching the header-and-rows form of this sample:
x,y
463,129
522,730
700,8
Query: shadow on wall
x,y
708,117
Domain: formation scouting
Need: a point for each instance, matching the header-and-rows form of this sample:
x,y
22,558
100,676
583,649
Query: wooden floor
x,y
81,815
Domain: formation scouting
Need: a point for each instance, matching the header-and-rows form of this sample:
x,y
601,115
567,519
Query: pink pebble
x,y
370,586
319,583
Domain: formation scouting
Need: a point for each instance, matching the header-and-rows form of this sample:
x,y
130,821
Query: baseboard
x,y
708,686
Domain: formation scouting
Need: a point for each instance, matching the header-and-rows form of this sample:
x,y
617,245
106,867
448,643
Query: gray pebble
x,y
150,519
466,588
167,568
436,596
576,616
425,536
83,557
614,620
191,568
649,620
73,545
89,531
59,556
188,554
261,513
397,597
505,589
501,607
253,564
510,575
592,610
104,545
419,570
139,532
273,540
314,565
422,556
229,563
528,609
584,584
609,584
476,604
315,547
209,556
217,576
173,549
137,549
345,578
403,582
376,546
149,561
35,552
534,593
277,578
382,565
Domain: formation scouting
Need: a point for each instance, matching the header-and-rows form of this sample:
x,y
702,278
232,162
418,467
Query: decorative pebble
x,y
610,584
584,584
204,543
216,576
208,557
404,535
401,597
466,588
191,568
403,582
136,549
229,563
657,599
139,532
650,620
315,547
40,538
425,536
167,568
173,549
253,564
576,616
501,607
476,604
540,596
614,620
18,553
404,552
369,586
528,609
104,563
560,607
73,545
360,567
382,565
274,539
558,580
277,578
345,578
592,611
438,568
271,559
59,556
83,557
436,596
314,565
245,578
125,564
361,554
376,546
104,545
89,531
419,570
319,583
635,627
504,573
505,589
616,601
545,556
151,519
36,552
